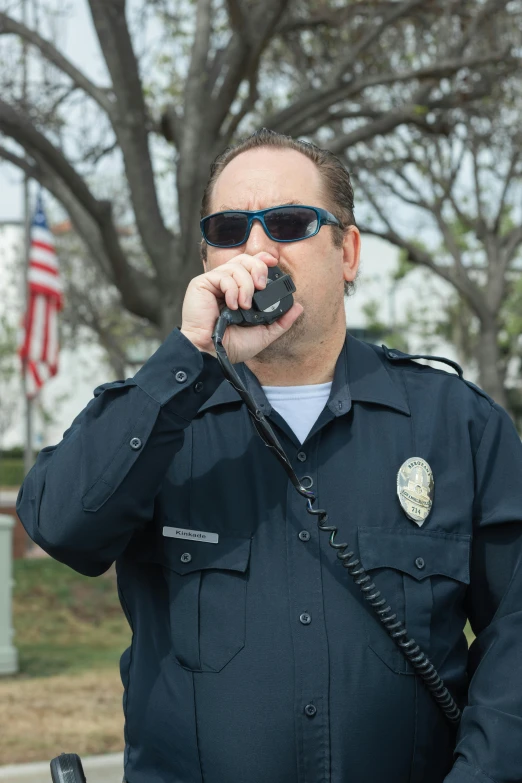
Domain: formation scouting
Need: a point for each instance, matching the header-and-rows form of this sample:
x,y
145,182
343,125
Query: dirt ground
x,y
80,713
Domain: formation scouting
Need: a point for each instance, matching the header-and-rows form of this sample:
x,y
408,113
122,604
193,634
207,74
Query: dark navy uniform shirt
x,y
255,659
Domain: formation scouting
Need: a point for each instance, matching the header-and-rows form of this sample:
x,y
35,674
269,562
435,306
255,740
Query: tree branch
x,y
18,126
510,243
247,106
236,16
447,185
326,17
381,126
290,119
242,60
407,114
139,292
76,197
195,94
417,255
9,26
89,316
396,11
170,126
515,157
480,211
130,126
24,164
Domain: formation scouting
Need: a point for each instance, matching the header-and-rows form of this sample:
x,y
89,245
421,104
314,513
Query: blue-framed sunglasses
x,y
282,224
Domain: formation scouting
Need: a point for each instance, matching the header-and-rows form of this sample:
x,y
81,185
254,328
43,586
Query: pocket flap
x,y
229,553
447,554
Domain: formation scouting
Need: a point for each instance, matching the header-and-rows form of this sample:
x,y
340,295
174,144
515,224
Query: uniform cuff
x,y
179,372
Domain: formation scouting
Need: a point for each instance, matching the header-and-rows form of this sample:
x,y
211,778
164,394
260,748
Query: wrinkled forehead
x,y
263,178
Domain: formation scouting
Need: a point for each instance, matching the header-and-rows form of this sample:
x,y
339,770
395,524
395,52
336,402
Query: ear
x,y
351,252
202,257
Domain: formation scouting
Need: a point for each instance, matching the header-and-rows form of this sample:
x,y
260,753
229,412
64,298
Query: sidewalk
x,y
8,495
98,769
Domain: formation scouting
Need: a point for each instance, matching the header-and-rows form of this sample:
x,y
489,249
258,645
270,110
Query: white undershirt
x,y
299,406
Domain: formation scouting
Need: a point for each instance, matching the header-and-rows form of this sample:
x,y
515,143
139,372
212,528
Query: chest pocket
x,y
207,586
423,576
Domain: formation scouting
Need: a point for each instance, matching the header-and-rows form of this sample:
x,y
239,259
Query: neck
x,y
298,366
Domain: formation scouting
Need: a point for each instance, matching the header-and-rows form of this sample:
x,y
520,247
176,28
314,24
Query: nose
x,y
259,240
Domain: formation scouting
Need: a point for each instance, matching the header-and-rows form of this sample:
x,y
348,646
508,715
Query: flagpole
x,y
28,450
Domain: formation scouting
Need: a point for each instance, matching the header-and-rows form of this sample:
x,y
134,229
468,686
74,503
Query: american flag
x,y
39,335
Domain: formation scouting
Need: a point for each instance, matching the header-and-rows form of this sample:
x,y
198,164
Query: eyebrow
x,y
237,209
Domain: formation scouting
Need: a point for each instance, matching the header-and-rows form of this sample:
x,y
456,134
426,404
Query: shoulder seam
x,y
414,367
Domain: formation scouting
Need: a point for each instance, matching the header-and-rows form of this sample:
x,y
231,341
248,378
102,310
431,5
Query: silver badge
x,y
415,489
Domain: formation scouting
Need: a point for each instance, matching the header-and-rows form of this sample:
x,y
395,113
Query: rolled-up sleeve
x,y
83,499
489,743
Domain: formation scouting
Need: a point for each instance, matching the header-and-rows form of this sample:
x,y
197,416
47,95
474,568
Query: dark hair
x,y
338,189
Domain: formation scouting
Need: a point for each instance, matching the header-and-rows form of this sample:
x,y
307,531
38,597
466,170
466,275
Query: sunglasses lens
x,y
225,229
284,224
289,223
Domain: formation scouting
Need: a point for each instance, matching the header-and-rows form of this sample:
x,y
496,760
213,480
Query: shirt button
x,y
420,562
135,443
186,557
304,535
198,386
310,710
301,456
181,376
305,618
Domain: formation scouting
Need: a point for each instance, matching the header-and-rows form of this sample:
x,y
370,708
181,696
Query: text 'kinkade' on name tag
x,y
190,535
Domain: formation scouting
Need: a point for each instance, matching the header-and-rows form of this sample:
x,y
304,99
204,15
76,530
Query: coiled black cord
x,y
394,627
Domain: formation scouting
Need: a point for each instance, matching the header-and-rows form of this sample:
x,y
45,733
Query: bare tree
x,y
336,76
454,206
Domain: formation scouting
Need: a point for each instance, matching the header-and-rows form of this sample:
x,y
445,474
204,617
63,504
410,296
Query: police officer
x,y
254,656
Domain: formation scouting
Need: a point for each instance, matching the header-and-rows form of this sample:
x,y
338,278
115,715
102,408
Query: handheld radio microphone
x,y
268,304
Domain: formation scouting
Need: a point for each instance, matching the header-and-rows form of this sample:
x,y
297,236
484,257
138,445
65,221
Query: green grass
x,y
11,471
65,622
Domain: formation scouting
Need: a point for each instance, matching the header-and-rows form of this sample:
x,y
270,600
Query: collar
x,y
360,376
369,378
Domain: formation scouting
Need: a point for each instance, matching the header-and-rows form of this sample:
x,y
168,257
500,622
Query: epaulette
x,y
394,355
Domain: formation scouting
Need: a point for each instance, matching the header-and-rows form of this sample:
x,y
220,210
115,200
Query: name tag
x,y
190,535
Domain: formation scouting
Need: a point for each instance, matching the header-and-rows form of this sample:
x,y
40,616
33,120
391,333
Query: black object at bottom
x,y
394,627
67,768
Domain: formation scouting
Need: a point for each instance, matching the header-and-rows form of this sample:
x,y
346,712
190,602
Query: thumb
x,y
284,323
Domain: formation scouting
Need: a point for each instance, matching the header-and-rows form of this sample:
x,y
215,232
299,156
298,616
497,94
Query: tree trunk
x,y
491,371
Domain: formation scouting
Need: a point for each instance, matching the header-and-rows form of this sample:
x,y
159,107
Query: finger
x,y
257,265
229,288
222,283
284,323
236,283
245,284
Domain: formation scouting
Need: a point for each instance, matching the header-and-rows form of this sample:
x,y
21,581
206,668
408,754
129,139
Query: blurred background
x,y
111,113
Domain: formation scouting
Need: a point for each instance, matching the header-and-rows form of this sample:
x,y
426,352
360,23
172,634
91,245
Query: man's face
x,y
263,178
